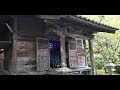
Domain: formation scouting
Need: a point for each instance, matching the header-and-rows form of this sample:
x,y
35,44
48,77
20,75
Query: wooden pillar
x,y
14,58
63,50
91,56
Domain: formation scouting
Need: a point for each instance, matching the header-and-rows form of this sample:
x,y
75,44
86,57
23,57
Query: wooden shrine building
x,y
47,44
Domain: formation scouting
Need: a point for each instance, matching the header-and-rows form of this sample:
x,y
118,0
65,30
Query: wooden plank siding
x,y
76,54
80,53
26,60
42,54
72,54
26,53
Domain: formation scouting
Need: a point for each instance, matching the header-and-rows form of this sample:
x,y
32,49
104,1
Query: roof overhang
x,y
98,27
80,21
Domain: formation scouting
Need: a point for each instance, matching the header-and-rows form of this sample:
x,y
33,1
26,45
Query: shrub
x,y
99,64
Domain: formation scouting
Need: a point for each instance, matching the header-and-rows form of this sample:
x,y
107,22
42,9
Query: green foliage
x,y
99,64
106,44
98,56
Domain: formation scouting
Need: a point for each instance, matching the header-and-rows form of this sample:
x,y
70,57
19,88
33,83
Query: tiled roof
x,y
95,22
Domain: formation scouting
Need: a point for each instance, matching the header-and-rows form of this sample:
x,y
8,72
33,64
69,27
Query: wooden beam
x,y
58,32
48,31
9,27
71,28
24,38
91,56
52,23
7,42
77,36
49,16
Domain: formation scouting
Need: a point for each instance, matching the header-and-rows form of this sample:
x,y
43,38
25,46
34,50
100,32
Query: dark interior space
x,y
6,37
55,54
55,57
5,33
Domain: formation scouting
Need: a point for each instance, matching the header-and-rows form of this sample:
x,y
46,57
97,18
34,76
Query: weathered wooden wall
x,y
76,54
80,53
43,54
72,54
29,26
26,60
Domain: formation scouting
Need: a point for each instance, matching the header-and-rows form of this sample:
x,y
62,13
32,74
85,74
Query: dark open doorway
x,y
55,54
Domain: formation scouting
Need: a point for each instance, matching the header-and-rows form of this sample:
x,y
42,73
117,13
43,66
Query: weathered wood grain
x,y
42,54
25,53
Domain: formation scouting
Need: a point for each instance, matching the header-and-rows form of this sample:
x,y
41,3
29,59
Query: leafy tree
x,y
105,44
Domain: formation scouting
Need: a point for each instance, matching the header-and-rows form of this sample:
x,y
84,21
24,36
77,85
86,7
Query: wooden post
x,y
14,58
91,56
63,70
62,49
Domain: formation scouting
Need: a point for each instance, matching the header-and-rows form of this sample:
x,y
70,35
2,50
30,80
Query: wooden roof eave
x,y
49,16
95,27
104,28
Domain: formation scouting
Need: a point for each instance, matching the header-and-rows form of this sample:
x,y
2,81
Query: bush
x,y
99,64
